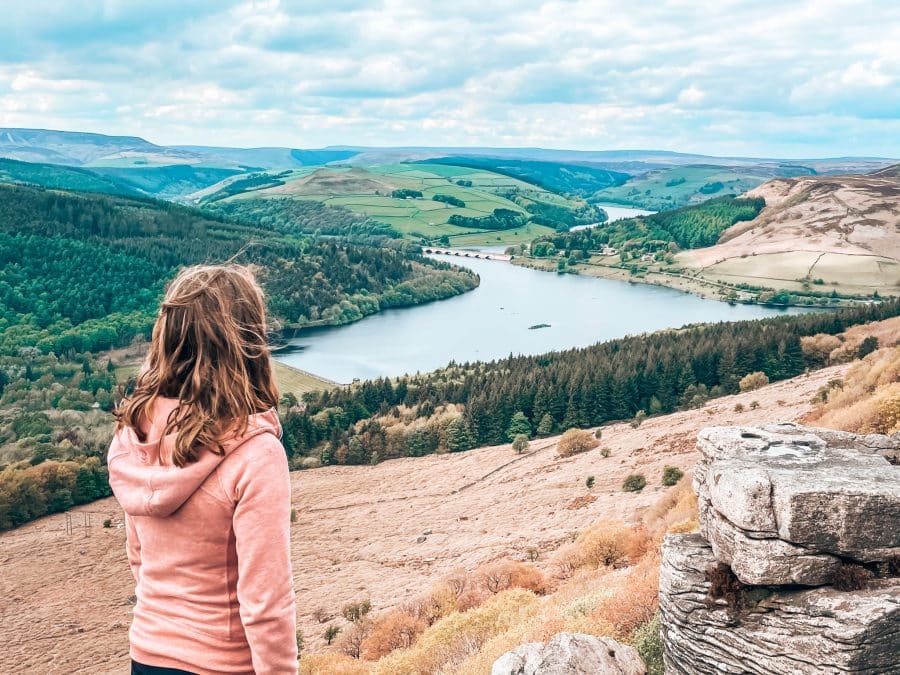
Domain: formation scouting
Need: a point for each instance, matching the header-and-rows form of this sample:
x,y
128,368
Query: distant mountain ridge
x,y
73,148
78,148
651,179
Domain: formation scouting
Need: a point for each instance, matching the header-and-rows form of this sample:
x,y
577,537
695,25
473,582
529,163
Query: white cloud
x,y
809,78
691,96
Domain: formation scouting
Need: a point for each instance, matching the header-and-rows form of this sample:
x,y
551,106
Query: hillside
x,y
432,201
84,271
576,179
80,148
77,148
674,187
838,233
357,530
164,182
61,177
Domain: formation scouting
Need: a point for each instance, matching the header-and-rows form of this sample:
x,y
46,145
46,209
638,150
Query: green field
x,y
368,191
520,235
681,186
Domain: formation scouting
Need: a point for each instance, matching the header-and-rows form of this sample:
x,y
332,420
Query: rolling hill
x,y
170,182
838,233
575,179
674,187
85,271
79,148
427,201
522,180
75,148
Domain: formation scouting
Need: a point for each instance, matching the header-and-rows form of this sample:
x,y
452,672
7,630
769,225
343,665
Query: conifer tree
x,y
519,425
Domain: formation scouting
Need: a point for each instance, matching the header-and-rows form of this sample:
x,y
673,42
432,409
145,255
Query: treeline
x,y
687,227
253,181
301,217
500,219
84,272
81,273
405,193
575,179
657,373
51,486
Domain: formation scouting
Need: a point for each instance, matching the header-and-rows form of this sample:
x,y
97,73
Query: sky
x,y
760,78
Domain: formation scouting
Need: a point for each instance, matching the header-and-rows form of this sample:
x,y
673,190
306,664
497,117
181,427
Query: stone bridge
x,y
465,253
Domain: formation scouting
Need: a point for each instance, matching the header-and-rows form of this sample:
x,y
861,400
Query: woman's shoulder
x,y
257,447
260,455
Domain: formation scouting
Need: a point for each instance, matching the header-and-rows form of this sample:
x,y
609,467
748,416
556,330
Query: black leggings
x,y
141,669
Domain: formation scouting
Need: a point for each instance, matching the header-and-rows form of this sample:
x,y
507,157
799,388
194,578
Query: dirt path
x,y
65,598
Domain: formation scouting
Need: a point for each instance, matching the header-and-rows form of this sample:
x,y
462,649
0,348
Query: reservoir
x,y
498,319
617,212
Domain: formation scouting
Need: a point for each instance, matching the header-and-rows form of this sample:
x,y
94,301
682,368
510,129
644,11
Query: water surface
x,y
495,320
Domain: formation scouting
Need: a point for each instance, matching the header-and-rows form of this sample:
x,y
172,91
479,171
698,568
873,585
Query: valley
x,y
493,320
542,338
816,240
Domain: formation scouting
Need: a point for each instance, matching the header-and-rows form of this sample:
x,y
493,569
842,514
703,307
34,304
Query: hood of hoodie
x,y
141,474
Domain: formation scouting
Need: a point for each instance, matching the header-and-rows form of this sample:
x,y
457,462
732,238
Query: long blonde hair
x,y
209,351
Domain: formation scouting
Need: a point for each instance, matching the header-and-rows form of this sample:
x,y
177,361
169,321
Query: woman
x,y
198,467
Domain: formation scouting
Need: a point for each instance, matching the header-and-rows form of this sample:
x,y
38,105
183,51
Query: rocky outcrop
x,y
781,630
571,654
788,515
787,505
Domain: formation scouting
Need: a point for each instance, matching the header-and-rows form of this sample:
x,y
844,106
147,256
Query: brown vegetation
x,y
576,441
867,399
753,381
397,630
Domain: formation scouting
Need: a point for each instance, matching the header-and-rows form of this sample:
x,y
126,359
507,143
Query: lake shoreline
x,y
696,286
495,320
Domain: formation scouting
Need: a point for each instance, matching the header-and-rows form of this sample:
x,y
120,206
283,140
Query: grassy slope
x,y
368,191
374,555
297,381
650,191
829,239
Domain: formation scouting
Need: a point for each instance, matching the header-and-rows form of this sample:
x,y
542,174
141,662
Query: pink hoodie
x,y
209,547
